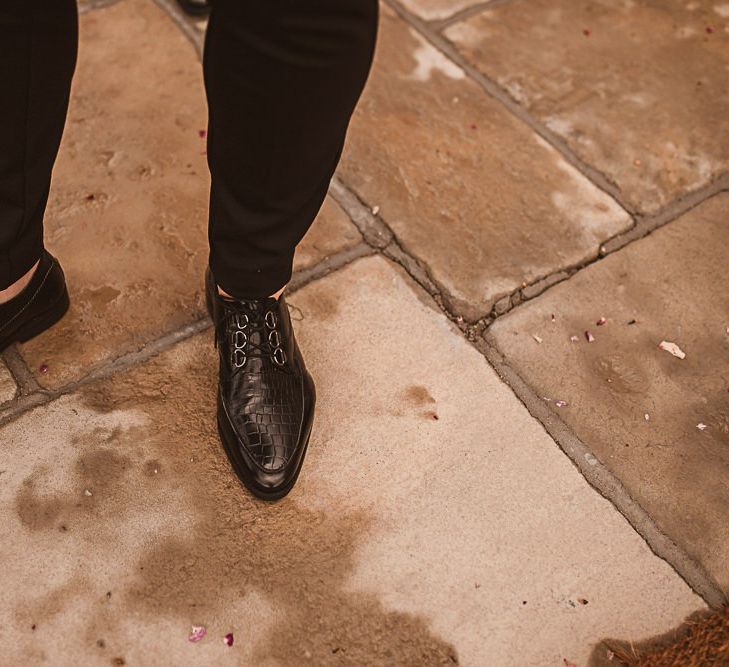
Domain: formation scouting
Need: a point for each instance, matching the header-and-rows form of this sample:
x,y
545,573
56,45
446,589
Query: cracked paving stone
x,y
639,90
7,384
673,284
468,189
127,215
351,561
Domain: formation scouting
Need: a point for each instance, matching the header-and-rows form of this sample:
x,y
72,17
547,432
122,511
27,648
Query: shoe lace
x,y
243,319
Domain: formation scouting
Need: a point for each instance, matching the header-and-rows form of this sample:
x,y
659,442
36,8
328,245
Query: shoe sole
x,y
39,323
240,467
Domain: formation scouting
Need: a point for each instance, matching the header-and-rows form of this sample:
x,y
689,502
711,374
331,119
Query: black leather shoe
x,y
266,396
39,306
195,7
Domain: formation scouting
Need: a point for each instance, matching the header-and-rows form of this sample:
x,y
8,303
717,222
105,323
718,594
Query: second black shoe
x,y
40,305
266,396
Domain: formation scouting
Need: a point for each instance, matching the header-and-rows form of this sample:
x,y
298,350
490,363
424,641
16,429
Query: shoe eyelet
x,y
279,356
274,339
271,319
239,338
239,358
237,319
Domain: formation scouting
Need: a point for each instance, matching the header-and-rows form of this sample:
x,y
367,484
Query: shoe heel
x,y
43,321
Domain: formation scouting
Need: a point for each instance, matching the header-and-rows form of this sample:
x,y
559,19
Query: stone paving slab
x,y
468,190
128,211
674,285
436,9
126,526
7,384
637,89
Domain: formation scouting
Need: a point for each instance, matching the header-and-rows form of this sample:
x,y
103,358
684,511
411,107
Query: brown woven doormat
x,y
701,641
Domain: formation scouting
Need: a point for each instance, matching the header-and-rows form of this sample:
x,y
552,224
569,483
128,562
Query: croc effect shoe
x,y
39,306
266,396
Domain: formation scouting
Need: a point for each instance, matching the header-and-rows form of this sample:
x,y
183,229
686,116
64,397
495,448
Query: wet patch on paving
x,y
637,89
516,210
658,421
126,526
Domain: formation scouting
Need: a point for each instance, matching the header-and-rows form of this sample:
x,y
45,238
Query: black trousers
x,y
282,79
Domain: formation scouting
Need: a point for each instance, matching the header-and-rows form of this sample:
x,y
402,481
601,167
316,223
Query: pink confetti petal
x,y
590,338
43,368
202,133
228,639
601,321
561,404
197,633
575,339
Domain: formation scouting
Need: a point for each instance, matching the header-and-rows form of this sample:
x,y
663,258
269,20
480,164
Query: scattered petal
x,y
473,126
202,133
674,349
536,338
637,162
546,398
590,338
601,321
554,319
375,210
647,417
582,601
197,633
701,426
586,32
575,339
632,321
228,639
87,493
43,368
709,29
561,404
568,663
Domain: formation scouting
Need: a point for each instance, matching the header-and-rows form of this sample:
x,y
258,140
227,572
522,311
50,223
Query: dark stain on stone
x,y
623,376
323,306
299,560
418,395
152,468
96,471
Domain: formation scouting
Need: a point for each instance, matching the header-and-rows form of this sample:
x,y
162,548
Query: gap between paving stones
x,y
379,235
32,395
466,13
85,6
380,238
603,481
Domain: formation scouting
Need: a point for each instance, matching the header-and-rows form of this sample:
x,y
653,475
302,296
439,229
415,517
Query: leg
x,y
282,79
37,58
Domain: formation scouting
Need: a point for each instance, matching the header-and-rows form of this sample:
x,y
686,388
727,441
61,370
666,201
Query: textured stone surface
x,y
127,526
331,232
467,188
128,211
639,89
436,9
7,384
674,284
